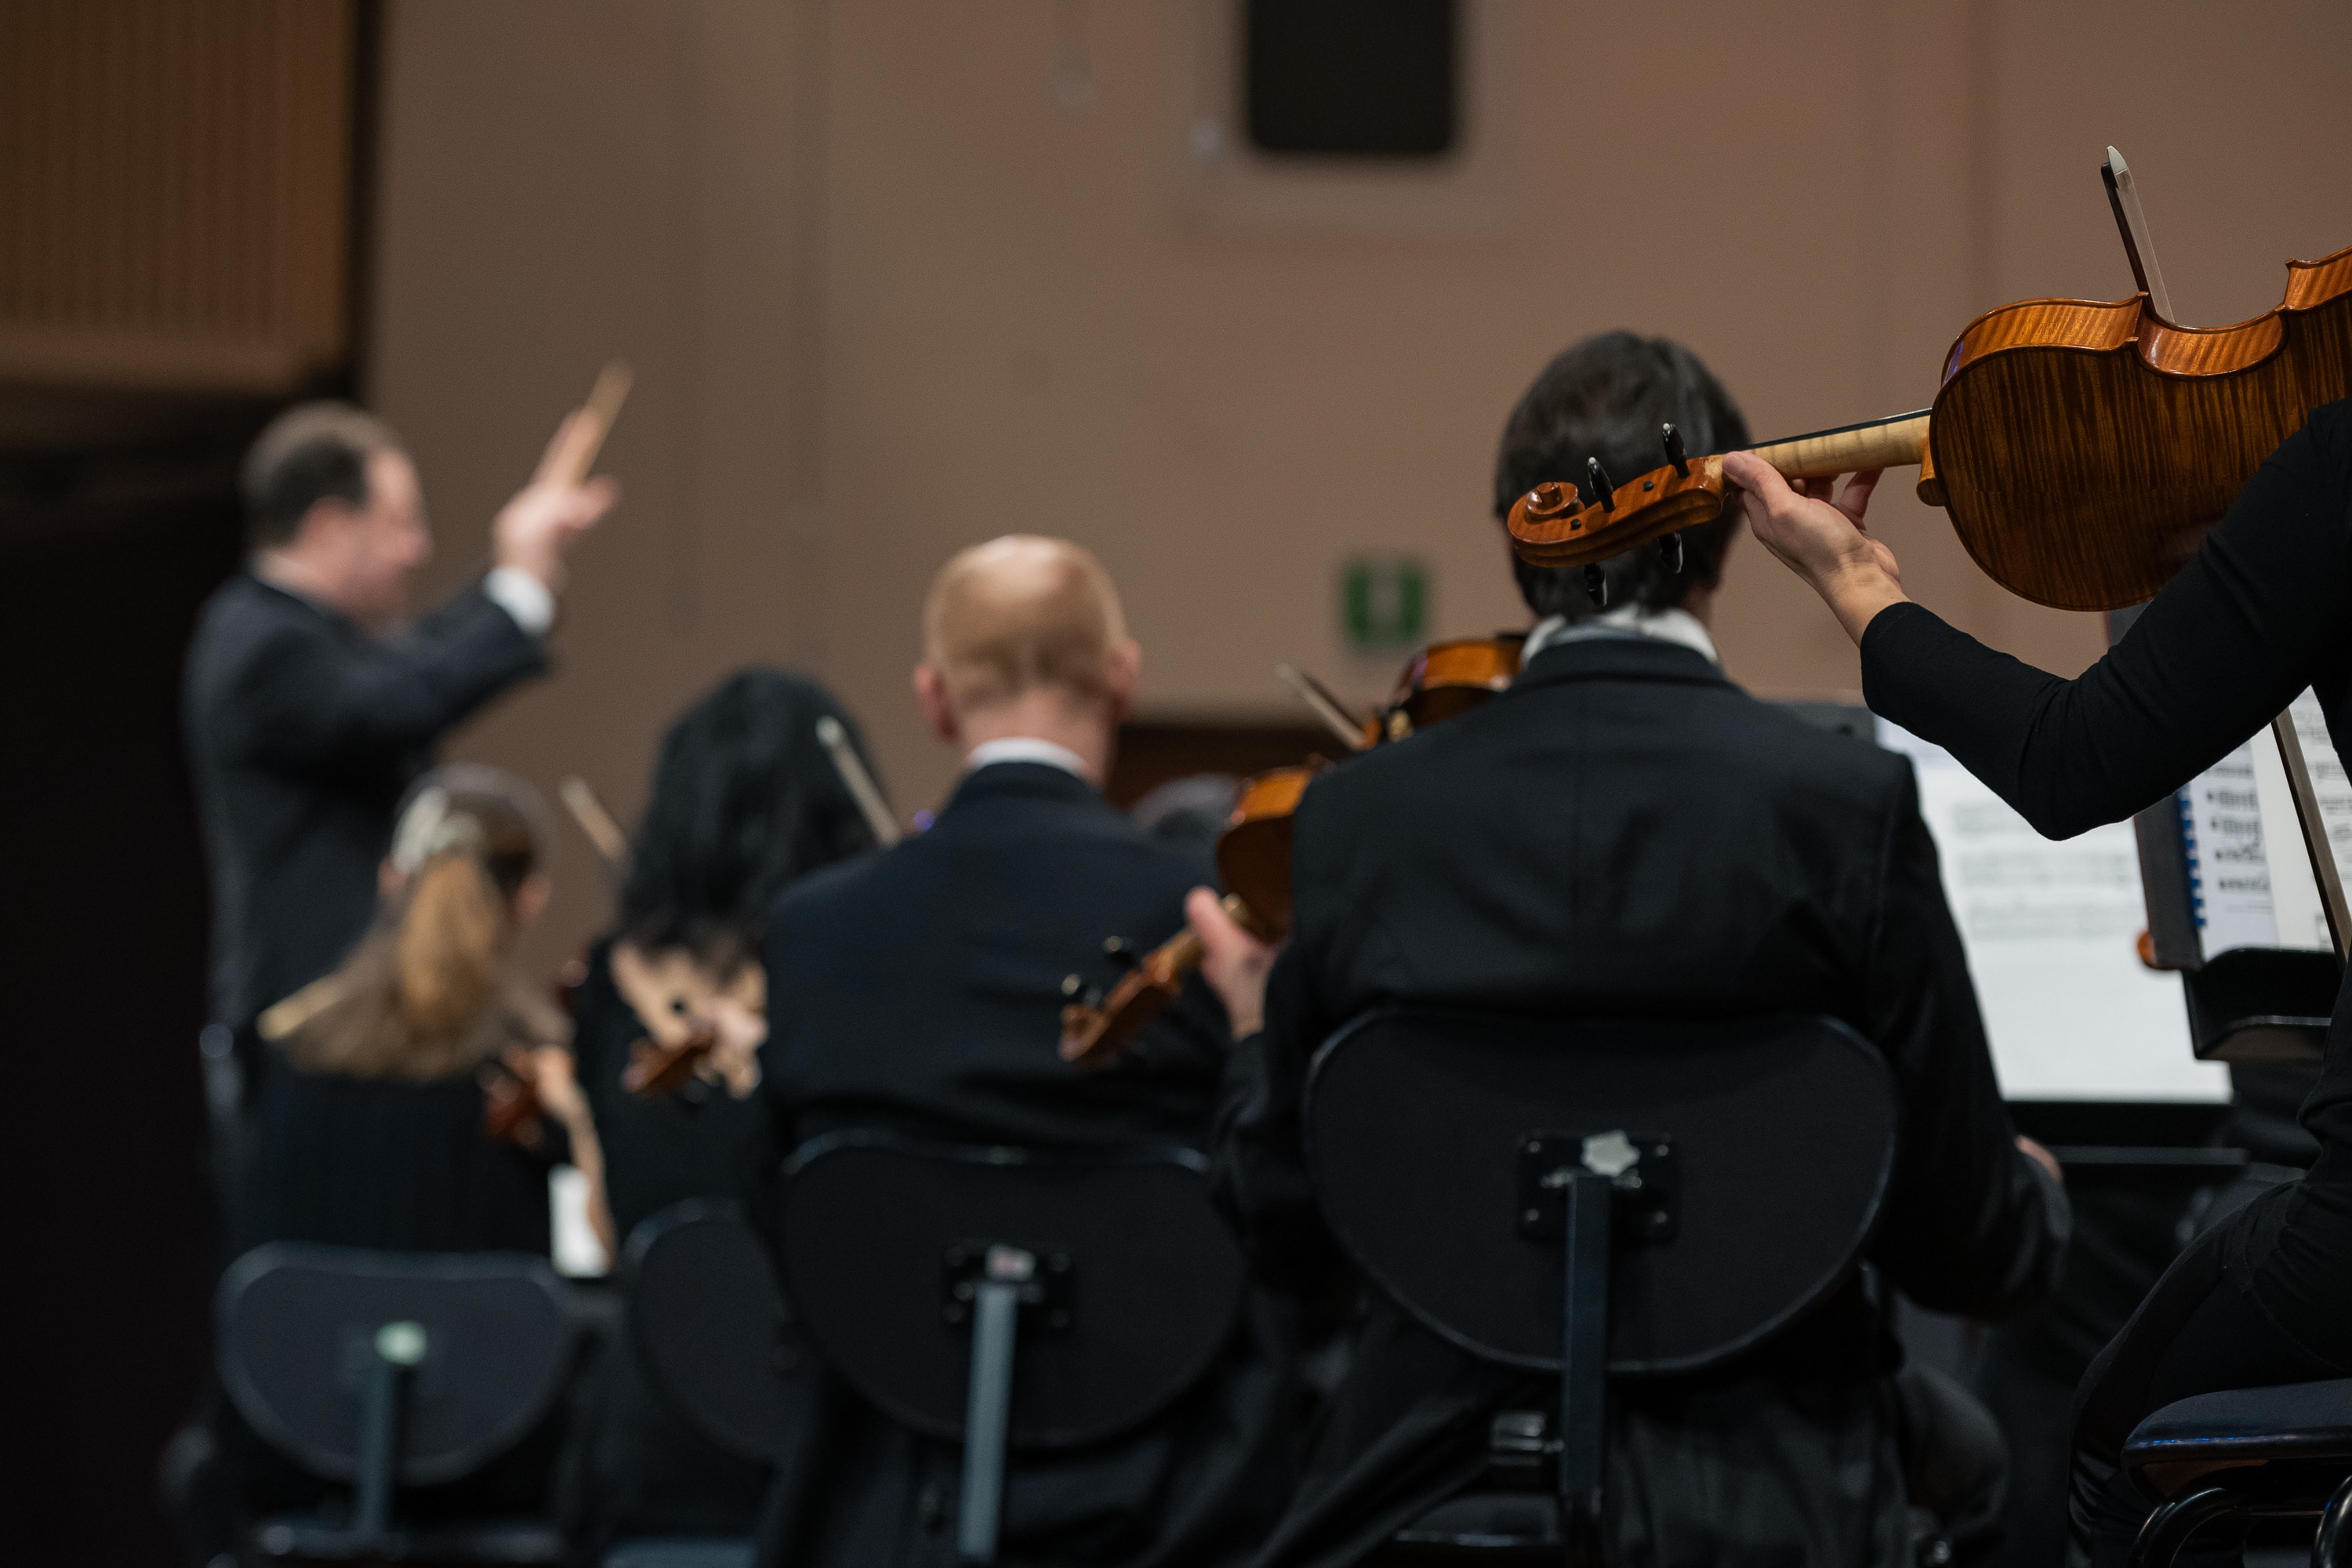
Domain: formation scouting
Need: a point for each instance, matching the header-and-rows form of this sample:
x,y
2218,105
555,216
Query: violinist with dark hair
x,y
1625,834
745,803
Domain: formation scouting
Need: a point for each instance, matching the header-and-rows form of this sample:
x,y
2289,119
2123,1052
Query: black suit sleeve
x,y
1983,1228
2254,617
311,704
1259,1160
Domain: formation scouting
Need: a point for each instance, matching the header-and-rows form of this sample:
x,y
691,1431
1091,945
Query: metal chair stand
x,y
992,1285
2243,1454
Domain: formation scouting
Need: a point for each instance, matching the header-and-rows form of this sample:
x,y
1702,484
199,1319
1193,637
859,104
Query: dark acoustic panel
x,y
1352,78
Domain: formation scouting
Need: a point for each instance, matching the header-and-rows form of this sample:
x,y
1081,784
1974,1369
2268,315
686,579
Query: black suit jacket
x,y
920,991
303,731
1624,834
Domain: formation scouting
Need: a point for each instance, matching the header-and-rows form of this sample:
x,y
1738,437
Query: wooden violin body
x,y
1449,679
1253,863
656,1070
2083,449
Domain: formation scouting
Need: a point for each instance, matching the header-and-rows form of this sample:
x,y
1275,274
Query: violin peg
x,y
1670,549
1604,492
1596,584
1552,499
1072,985
1680,460
1115,948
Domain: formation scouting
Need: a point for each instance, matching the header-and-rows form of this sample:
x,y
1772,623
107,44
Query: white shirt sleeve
x,y
523,596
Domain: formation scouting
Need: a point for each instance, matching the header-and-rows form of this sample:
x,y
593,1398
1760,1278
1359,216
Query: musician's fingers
x,y
1856,498
1754,475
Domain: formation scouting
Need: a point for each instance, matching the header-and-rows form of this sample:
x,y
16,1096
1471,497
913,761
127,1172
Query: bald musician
x,y
920,989
1626,834
311,704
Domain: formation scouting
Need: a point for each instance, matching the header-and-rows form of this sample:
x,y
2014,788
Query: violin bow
x,y
2131,219
1325,707
594,821
862,787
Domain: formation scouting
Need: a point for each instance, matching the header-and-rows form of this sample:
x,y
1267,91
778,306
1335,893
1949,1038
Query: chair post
x,y
988,1403
398,1347
1584,1363
2168,1529
2331,1544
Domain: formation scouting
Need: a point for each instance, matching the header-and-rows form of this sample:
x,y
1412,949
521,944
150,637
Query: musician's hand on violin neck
x,y
1820,540
1233,961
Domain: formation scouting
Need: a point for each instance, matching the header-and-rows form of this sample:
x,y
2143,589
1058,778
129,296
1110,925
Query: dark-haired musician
x,y
1627,834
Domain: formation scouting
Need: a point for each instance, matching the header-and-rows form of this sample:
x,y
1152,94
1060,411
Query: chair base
x,y
683,1552
1484,1526
312,1539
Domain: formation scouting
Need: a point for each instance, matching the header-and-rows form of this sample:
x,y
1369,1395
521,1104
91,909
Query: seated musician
x,y
745,802
2253,617
1625,832
919,991
376,1138
377,1134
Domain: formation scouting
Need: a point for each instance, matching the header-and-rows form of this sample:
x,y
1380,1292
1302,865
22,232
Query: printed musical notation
x,y
2248,873
2050,929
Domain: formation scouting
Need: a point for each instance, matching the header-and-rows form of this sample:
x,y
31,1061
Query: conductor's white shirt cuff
x,y
523,596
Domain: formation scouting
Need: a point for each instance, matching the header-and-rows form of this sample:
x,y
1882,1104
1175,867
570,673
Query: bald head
x,y
1020,614
1024,635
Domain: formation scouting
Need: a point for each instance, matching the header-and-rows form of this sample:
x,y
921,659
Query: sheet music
x,y
2229,859
2050,929
2250,873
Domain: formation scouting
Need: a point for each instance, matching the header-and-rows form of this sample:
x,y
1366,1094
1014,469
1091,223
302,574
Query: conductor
x,y
310,706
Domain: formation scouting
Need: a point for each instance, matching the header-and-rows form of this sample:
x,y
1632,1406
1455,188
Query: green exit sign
x,y
1383,603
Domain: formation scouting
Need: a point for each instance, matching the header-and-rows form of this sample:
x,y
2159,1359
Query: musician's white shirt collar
x,y
1028,749
1630,620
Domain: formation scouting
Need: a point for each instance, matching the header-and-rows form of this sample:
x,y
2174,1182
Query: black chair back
x,y
1008,1298
1142,1279
297,1330
707,1319
1765,1148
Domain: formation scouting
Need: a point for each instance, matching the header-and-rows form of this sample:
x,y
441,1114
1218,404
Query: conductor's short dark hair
x,y
1607,397
310,453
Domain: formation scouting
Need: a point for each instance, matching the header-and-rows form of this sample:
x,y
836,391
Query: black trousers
x,y
2200,1330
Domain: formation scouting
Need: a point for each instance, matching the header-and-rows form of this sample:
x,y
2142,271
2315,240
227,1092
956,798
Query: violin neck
x,y
1891,443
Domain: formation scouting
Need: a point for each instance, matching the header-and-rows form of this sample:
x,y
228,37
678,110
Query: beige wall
x,y
899,277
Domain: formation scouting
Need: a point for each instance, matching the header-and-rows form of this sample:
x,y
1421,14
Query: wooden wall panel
x,y
176,178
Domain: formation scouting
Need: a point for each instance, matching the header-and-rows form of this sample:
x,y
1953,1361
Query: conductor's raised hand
x,y
536,528
1820,540
1233,961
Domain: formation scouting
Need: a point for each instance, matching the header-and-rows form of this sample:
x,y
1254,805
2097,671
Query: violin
x,y
2083,449
511,1108
656,1070
1446,679
1253,863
